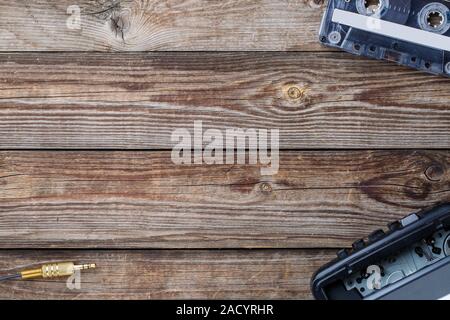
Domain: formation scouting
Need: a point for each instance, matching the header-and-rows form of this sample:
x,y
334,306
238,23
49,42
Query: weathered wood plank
x,y
209,274
138,25
320,100
142,200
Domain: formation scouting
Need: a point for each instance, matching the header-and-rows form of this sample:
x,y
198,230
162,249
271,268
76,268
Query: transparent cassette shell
x,y
418,15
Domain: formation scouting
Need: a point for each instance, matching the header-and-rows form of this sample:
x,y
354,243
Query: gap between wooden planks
x,y
136,25
136,101
141,200
171,274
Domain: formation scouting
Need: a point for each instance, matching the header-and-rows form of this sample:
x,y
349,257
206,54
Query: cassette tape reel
x,y
415,33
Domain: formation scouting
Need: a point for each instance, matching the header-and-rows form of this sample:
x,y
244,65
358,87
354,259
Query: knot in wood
x,y
434,172
295,93
266,187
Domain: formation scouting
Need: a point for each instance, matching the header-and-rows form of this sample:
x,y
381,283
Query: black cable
x,y
10,277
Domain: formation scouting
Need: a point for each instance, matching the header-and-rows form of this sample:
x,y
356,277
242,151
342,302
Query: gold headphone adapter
x,y
50,270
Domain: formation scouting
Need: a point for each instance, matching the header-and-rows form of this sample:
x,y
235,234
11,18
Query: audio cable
x,y
50,270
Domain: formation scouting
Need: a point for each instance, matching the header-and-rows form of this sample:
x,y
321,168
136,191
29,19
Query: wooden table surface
x,y
86,117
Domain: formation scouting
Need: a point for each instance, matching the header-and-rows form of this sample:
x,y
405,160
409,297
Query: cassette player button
x,y
358,245
394,226
406,221
342,254
376,235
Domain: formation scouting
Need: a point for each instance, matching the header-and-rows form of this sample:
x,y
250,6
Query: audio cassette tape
x,y
414,33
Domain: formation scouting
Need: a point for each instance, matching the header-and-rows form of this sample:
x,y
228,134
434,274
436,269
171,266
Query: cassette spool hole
x,y
435,19
447,70
372,5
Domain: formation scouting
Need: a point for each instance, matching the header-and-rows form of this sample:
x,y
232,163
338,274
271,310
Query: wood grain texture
x,y
192,274
142,200
104,200
138,25
136,101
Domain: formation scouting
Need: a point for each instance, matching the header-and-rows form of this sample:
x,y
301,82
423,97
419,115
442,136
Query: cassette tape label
x,y
414,33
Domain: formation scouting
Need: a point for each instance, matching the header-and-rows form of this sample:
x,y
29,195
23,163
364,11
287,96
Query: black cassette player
x,y
410,260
